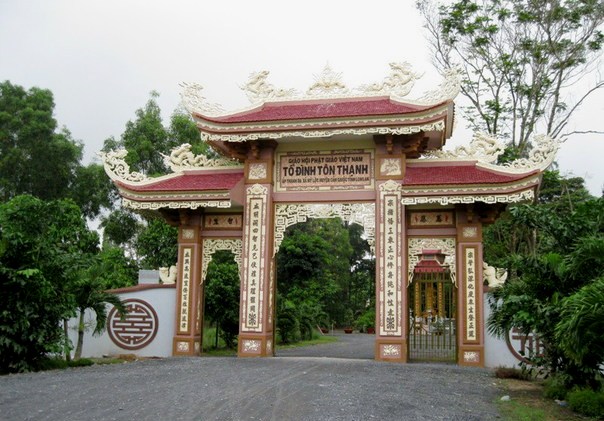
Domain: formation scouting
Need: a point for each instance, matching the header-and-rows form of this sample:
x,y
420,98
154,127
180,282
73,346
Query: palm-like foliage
x,y
582,323
90,294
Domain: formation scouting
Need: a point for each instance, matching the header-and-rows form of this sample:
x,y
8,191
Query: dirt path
x,y
293,388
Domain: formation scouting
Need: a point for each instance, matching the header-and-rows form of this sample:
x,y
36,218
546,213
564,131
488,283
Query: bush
x,y
82,362
511,373
555,388
53,363
587,402
365,320
288,324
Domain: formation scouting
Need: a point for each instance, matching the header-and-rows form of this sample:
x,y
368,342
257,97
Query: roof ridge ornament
x,y
448,89
258,89
193,101
181,158
327,85
117,169
399,82
486,149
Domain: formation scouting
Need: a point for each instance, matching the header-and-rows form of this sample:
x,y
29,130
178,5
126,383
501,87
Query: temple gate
x,y
368,156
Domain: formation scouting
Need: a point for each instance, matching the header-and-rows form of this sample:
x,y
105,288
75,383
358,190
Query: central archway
x,y
352,224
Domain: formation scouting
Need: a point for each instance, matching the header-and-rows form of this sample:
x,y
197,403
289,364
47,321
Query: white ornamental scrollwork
x,y
257,190
445,245
251,345
390,186
117,169
194,101
258,89
486,149
212,245
362,214
391,350
447,90
482,147
181,158
541,155
399,82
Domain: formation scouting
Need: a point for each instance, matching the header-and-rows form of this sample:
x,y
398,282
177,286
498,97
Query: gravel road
x,y
286,388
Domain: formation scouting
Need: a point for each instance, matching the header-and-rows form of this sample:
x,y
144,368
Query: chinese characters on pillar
x,y
470,295
254,258
185,291
391,270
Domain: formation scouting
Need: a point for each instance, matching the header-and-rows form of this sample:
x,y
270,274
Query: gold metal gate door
x,y
432,311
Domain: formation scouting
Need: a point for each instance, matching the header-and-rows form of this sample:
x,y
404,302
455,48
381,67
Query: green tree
x,y
42,247
324,267
520,60
157,244
222,296
31,147
119,270
38,159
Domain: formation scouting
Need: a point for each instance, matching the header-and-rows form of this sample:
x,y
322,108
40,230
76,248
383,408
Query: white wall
x,y
161,299
496,350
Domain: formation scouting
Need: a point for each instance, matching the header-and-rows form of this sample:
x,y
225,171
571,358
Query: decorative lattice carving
x,y
402,130
212,245
358,213
257,171
181,158
127,203
445,245
117,169
524,196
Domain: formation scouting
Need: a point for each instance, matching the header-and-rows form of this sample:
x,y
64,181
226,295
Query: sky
x,y
101,59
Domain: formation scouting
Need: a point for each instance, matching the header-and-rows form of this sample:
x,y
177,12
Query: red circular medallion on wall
x,y
137,329
523,346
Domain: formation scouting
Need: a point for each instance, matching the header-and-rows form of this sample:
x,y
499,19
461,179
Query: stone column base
x,y
471,355
391,349
186,345
255,345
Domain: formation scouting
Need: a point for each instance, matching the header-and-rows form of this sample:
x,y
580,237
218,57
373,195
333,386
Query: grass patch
x,y
528,403
220,352
317,341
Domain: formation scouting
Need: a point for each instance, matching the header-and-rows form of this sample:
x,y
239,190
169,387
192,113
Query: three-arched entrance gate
x,y
368,157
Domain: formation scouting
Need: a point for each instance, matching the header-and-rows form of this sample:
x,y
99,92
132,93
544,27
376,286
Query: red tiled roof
x,y
193,182
455,174
327,108
429,266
